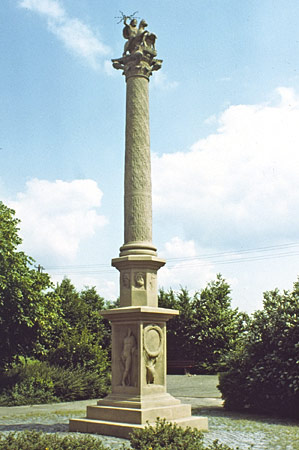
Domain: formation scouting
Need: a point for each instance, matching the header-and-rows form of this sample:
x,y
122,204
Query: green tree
x,y
29,311
207,327
86,340
179,334
263,374
216,326
82,311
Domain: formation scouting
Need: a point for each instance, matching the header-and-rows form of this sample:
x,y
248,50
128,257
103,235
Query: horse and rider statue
x,y
138,38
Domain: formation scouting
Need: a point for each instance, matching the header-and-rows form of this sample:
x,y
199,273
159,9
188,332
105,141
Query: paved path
x,y
7,412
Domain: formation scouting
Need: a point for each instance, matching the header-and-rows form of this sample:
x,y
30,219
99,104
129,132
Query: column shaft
x,y
138,189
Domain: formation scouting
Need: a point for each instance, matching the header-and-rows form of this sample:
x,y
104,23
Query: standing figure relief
x,y
129,348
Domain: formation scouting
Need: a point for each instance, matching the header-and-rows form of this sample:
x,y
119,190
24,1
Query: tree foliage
x,y
29,311
207,327
86,341
264,369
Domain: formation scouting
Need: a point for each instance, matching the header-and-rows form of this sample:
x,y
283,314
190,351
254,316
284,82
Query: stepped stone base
x,y
120,421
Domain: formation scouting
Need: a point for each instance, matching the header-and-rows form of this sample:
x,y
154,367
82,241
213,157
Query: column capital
x,y
137,65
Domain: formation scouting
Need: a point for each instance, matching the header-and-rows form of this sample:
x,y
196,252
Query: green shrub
x,y
264,375
27,384
79,384
39,382
163,436
169,436
28,392
34,440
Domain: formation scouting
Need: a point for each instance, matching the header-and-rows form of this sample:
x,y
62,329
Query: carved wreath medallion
x,y
153,340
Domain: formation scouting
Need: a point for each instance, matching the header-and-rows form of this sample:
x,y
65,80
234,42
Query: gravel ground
x,y
237,430
54,418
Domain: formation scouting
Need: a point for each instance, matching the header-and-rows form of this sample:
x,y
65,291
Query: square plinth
x,y
120,422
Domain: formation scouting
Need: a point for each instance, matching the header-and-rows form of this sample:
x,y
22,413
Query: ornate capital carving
x,y
137,65
139,56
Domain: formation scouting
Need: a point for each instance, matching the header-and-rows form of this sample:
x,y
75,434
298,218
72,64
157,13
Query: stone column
x,y
138,262
138,196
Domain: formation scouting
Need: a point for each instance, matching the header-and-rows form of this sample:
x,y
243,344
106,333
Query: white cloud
x,y
183,268
109,68
239,184
77,37
160,80
57,216
188,274
50,8
177,248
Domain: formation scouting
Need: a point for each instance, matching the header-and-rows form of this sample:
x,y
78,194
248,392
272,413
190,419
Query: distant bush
x,y
79,383
35,440
170,436
38,382
264,370
28,392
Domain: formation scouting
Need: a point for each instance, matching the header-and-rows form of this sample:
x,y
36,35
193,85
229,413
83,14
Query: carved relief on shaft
x,y
138,200
138,218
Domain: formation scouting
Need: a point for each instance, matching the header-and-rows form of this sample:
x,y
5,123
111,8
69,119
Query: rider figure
x,y
129,32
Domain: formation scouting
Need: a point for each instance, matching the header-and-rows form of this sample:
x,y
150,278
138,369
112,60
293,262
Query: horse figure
x,y
137,42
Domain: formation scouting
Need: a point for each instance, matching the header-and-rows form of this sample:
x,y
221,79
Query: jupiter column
x,y
138,392
138,262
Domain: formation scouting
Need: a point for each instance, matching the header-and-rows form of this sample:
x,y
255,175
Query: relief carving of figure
x,y
139,280
150,370
126,280
152,281
129,347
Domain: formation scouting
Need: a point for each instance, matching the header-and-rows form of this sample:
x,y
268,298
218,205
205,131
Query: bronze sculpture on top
x,y
138,325
139,49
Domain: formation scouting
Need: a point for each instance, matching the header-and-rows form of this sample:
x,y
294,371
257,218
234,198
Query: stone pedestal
x,y
138,326
138,377
138,279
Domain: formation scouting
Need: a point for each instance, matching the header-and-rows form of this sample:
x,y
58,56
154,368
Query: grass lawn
x,y
196,386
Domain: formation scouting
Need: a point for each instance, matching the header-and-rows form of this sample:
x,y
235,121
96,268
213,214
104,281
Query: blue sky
x,y
224,138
